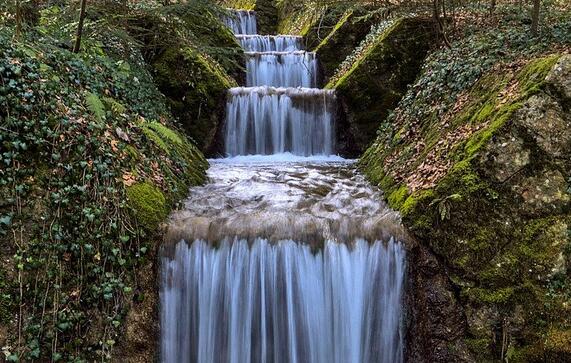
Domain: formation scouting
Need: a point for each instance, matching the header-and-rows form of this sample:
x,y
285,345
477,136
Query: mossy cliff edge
x,y
194,62
485,187
376,78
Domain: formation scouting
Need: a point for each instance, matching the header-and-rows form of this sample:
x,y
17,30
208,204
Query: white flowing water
x,y
280,110
270,43
282,303
283,69
242,22
288,254
267,120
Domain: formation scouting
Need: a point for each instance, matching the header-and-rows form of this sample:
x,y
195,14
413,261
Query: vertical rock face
x,y
436,324
378,78
267,14
194,81
486,189
345,36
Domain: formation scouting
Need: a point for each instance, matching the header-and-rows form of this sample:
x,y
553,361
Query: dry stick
x,y
80,27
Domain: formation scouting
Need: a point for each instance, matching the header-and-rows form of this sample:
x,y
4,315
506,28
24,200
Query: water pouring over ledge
x,y
288,255
268,120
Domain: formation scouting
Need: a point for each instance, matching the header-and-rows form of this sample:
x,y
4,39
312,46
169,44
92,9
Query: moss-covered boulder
x,y
486,187
195,59
376,79
196,87
341,40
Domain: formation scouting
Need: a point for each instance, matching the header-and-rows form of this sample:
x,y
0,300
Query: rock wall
x,y
334,46
267,16
486,189
377,79
193,77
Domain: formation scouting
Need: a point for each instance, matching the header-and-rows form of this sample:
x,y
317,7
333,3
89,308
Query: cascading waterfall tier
x,y
292,284
267,120
270,43
282,303
280,110
281,69
242,22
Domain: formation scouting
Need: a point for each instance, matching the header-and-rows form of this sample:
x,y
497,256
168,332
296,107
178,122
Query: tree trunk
x,y
80,27
18,20
535,17
440,23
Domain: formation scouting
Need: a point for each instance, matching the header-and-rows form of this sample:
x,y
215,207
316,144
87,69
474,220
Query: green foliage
x,y
95,105
148,204
449,72
74,161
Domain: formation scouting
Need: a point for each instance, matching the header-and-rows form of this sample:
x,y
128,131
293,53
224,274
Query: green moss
x,y
490,296
376,47
343,21
481,138
165,133
195,86
532,77
345,36
372,86
152,135
397,198
413,200
148,204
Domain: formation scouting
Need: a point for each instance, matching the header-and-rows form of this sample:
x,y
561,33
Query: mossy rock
x,y
148,204
491,199
341,40
267,16
375,83
196,88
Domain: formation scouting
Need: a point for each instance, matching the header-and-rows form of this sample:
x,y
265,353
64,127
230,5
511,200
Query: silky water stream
x,y
287,254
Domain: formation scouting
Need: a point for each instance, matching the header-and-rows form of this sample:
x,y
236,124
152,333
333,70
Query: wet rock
x,y
435,323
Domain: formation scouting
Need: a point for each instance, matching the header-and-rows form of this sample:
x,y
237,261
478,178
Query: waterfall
x,y
281,69
242,22
282,303
265,120
270,43
287,255
280,110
